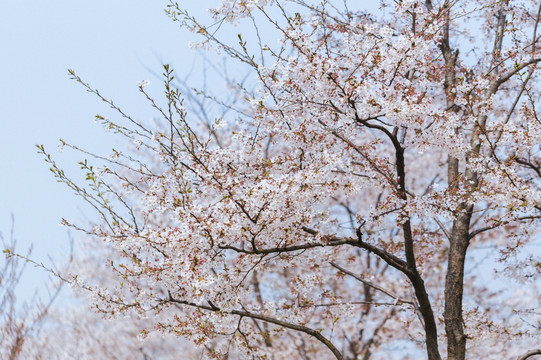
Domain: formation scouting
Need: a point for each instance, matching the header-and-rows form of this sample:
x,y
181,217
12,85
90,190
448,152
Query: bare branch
x,y
443,228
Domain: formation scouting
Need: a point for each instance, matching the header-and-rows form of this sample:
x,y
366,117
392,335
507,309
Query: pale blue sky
x,y
110,43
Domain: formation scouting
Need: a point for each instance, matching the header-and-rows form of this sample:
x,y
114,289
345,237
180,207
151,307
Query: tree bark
x,y
454,287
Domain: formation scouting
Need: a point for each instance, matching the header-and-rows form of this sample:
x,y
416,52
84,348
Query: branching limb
x,y
501,223
389,258
513,72
526,163
242,313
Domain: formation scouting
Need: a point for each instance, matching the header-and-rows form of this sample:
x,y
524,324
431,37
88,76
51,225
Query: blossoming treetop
x,y
335,215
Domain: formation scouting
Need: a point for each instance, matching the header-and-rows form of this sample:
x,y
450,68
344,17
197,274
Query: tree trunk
x,y
454,288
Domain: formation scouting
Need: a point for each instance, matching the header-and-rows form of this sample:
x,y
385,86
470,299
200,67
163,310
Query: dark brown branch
x,y
491,227
530,165
309,231
530,354
389,258
332,242
296,327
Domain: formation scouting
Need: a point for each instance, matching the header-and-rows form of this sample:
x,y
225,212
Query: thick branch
x,y
284,249
425,308
530,354
526,163
513,72
498,40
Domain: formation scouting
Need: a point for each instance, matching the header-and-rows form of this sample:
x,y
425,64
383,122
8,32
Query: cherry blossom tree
x,y
64,327
18,319
379,167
